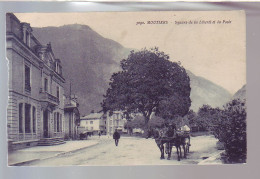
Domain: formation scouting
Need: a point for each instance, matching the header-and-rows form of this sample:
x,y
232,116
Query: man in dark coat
x,y
170,133
116,136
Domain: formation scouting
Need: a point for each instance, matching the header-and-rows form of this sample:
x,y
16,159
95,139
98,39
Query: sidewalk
x,y
22,156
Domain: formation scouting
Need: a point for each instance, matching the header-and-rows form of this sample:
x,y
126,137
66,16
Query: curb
x,y
56,155
213,157
24,162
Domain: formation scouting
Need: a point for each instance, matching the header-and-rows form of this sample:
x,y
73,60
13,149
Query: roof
x,y
93,116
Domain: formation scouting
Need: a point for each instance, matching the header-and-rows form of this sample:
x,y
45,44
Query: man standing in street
x,y
116,136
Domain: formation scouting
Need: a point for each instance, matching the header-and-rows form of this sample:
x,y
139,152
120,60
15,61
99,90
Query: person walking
x,y
116,136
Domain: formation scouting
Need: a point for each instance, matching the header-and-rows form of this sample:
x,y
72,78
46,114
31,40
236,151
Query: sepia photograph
x,y
126,88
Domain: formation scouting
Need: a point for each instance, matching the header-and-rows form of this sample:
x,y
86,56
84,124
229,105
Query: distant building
x,y
35,104
116,121
94,123
72,117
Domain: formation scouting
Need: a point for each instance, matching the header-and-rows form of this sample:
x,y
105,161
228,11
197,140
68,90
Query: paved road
x,y
130,151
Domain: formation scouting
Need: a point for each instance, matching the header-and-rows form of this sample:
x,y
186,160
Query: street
x,y
130,151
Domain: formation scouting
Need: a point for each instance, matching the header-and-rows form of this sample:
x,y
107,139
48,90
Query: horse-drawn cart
x,y
180,140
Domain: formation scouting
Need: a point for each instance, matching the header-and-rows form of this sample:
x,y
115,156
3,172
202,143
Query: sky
x,y
213,48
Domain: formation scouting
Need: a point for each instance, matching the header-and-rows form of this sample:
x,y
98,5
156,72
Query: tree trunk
x,y
146,129
146,118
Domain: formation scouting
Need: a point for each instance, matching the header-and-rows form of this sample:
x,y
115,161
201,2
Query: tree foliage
x,y
191,117
228,125
137,122
148,83
230,129
206,117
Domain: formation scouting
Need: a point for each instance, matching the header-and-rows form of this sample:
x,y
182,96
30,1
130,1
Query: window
x,y
27,118
86,122
21,118
91,128
91,122
27,38
34,119
27,78
45,84
58,124
58,92
55,122
58,68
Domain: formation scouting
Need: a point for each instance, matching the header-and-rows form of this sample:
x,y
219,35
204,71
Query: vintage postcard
x,y
126,88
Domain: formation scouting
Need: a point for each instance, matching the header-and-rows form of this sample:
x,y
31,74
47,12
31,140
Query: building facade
x,y
35,105
94,123
72,117
116,121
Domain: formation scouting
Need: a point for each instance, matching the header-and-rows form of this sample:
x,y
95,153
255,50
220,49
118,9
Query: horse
x,y
169,142
162,138
180,142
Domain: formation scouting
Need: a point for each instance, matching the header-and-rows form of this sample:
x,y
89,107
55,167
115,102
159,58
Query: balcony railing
x,y
45,96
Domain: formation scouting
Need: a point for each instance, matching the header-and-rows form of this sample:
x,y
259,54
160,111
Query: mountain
x,y
204,91
240,94
89,60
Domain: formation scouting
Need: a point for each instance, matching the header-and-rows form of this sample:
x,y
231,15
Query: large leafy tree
x,y
230,129
138,122
149,83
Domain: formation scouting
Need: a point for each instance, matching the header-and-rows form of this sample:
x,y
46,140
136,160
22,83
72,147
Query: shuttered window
x,y
34,119
27,118
21,118
55,122
27,78
58,124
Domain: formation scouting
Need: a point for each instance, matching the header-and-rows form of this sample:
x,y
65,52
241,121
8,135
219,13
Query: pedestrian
x,y
116,136
99,134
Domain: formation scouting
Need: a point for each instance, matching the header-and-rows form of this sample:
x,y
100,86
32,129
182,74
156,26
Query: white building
x,y
94,122
116,121
35,110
